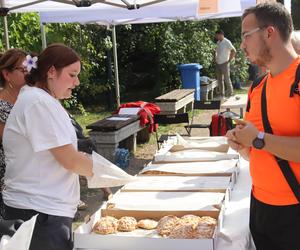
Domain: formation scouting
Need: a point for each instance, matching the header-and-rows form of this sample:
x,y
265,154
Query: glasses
x,y
21,69
249,33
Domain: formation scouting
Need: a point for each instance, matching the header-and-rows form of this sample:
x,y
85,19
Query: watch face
x,y
258,143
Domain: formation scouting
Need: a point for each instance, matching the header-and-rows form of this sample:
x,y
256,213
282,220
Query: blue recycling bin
x,y
190,77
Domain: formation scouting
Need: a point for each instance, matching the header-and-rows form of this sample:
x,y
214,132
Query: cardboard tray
x,y
168,201
179,184
85,239
193,169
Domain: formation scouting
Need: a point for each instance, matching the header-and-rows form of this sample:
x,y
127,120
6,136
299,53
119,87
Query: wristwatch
x,y
259,141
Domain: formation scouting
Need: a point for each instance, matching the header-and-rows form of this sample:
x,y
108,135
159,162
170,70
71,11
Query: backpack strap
x,y
283,164
295,85
255,83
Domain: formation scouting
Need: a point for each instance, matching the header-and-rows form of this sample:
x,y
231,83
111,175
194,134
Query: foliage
x,y
24,31
148,54
239,67
295,13
154,51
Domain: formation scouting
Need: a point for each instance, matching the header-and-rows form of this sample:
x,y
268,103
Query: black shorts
x,y
50,232
275,227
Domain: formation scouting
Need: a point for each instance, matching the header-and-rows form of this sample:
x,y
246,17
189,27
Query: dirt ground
x,y
144,154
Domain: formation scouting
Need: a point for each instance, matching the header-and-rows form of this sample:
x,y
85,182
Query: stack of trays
x,y
198,185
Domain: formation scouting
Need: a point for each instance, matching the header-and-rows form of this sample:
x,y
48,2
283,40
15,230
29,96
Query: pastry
x,y
166,224
147,224
127,224
106,225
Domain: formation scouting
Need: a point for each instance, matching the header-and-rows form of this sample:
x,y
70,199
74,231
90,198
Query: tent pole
x,y
43,35
116,65
6,38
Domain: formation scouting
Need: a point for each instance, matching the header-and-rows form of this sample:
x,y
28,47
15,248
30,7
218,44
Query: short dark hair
x,y
274,14
221,32
9,60
57,55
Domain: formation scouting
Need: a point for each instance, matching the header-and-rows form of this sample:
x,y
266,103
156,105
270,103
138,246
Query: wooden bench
x,y
237,101
175,101
114,131
207,89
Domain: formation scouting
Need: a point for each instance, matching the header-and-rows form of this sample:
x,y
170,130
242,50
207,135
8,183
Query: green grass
x,y
90,117
243,90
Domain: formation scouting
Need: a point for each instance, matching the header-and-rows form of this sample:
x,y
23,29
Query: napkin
x,y
107,174
21,239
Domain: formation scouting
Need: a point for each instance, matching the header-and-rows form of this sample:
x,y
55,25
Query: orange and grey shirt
x,y
269,184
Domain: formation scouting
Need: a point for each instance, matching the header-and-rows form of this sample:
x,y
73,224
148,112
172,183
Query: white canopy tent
x,y
118,12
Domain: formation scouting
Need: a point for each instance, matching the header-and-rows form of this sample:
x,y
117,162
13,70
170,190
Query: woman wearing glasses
x,y
12,80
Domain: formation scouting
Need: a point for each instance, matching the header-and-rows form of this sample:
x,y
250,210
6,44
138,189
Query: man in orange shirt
x,y
274,210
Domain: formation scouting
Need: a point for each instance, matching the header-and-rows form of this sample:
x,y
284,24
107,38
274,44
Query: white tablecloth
x,y
236,218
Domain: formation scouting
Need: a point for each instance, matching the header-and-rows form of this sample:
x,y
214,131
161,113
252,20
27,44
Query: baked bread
x,y
127,224
106,225
206,227
166,224
190,219
208,220
183,230
147,224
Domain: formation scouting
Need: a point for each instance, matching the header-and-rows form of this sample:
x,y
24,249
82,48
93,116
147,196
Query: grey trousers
x,y
223,73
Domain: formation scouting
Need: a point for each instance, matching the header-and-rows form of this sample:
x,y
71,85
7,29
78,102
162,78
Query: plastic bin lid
x,y
190,66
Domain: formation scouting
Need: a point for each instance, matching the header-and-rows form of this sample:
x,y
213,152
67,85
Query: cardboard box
x,y
221,184
220,168
168,201
85,239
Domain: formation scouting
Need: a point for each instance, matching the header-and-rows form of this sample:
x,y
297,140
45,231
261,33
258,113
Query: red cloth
x,y
146,113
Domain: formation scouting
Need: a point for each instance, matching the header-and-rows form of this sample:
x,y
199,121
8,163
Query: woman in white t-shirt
x,y
40,146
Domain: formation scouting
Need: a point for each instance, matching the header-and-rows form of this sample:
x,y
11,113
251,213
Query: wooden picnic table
x,y
178,99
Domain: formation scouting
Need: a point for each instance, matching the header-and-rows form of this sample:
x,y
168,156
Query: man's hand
x,y
231,136
245,132
232,141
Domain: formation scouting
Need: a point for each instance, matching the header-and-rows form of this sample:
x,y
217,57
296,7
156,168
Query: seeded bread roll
x,y
190,218
127,224
183,230
206,227
166,224
106,225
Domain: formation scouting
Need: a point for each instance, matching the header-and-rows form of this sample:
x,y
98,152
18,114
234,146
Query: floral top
x,y
5,108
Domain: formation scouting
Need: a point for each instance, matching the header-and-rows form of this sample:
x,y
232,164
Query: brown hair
x,y
57,55
9,60
272,14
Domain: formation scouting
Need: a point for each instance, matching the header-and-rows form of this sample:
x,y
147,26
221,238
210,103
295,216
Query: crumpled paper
x,y
21,239
107,174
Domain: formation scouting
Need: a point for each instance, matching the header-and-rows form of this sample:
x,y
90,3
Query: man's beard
x,y
264,55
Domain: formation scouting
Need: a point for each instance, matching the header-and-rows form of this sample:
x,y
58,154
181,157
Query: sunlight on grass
x,y
90,117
